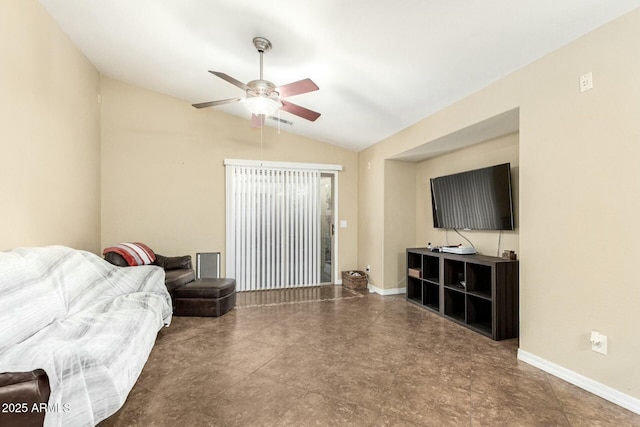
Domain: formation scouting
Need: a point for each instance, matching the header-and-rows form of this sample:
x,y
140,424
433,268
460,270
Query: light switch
x,y
343,223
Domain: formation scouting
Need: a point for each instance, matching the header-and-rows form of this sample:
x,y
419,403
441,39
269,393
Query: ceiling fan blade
x,y
230,79
257,121
299,111
220,102
297,88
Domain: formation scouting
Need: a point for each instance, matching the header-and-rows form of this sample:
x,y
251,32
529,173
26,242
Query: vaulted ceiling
x,y
381,65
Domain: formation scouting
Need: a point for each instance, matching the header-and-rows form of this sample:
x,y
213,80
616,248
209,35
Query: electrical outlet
x,y
368,268
586,82
598,342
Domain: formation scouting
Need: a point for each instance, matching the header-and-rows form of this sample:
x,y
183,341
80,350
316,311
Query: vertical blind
x,y
273,227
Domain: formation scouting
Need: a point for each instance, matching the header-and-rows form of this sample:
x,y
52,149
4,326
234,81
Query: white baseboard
x,y
605,392
384,292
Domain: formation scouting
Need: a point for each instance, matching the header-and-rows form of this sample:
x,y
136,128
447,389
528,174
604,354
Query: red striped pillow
x,y
135,253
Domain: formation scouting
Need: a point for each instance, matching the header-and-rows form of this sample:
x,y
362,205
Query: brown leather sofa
x,y
190,297
178,270
23,397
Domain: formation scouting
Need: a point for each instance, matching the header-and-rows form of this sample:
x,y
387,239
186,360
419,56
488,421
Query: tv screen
x,y
478,200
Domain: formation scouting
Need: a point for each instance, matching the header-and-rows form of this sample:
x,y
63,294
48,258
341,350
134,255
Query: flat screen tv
x,y
477,200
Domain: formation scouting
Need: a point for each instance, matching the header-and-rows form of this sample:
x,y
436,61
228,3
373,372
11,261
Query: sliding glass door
x,y
327,227
279,226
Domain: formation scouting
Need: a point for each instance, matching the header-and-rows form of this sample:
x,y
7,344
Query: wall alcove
x,y
407,213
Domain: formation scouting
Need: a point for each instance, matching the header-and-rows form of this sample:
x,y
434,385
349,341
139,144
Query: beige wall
x,y
580,195
371,208
399,210
578,198
49,143
163,178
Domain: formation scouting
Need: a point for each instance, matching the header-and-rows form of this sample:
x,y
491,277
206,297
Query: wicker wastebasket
x,y
354,279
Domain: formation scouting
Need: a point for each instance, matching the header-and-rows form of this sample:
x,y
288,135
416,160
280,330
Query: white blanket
x,y
90,325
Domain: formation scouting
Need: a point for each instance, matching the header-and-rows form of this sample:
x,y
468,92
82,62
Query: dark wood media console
x,y
478,291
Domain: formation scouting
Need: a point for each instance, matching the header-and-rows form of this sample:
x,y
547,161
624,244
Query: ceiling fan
x,y
263,98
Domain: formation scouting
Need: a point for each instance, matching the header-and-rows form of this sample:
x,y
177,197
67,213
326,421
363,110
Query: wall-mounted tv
x,y
477,200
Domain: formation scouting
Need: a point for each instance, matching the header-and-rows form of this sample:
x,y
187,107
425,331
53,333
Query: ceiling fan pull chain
x,y
261,155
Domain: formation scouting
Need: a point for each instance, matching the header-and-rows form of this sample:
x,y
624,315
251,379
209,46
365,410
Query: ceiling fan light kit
x,y
262,105
263,98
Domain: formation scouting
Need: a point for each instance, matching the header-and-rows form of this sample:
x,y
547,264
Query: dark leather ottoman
x,y
205,297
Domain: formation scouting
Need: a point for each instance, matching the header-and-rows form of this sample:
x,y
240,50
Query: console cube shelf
x,y
477,291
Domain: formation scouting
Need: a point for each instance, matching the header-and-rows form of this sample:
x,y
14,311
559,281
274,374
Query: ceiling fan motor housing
x,y
261,88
